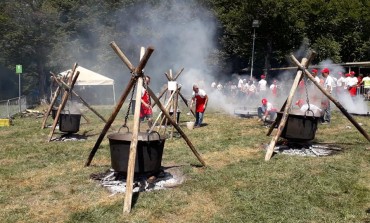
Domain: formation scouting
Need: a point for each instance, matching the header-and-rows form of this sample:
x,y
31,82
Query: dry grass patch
x,y
200,208
220,159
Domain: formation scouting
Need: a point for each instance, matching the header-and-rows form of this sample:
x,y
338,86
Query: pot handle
x,y
125,127
306,112
159,136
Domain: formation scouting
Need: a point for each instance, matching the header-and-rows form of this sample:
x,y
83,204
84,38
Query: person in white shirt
x,y
213,85
314,74
219,86
273,88
262,85
341,81
325,103
266,109
352,84
240,83
305,107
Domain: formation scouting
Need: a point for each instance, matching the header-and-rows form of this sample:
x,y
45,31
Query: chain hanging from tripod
x,y
305,79
129,104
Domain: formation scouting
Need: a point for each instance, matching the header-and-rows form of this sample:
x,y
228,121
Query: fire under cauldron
x,y
148,156
300,127
69,122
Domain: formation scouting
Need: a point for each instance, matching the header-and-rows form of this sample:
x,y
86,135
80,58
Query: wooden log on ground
x,y
341,108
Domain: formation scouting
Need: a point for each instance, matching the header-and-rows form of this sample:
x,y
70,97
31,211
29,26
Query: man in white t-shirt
x,y
265,110
325,103
314,74
262,85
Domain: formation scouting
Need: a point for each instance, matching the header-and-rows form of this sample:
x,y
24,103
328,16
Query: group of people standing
x,y
346,83
333,85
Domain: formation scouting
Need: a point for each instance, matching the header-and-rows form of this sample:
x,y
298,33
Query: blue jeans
x,y
199,118
327,114
261,111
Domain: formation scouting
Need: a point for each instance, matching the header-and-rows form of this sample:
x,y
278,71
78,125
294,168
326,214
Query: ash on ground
x,y
70,137
115,182
306,149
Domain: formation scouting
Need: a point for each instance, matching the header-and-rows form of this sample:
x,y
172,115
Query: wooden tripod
x,y
136,78
302,70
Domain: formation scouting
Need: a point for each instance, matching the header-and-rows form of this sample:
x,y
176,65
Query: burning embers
x,y
306,149
115,182
70,137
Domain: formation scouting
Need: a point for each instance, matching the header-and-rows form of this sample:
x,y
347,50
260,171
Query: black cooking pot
x,y
148,154
69,122
300,126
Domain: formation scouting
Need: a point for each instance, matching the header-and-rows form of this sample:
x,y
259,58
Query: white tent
x,y
88,77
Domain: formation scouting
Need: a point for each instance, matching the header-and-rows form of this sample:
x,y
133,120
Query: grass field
x,y
47,182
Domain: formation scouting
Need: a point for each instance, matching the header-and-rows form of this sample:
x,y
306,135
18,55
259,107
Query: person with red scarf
x,y
146,105
200,98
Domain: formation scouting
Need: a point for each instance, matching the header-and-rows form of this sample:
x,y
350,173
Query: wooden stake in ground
x,y
270,148
341,108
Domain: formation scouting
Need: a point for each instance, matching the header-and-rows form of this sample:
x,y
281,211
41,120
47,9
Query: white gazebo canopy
x,y
89,77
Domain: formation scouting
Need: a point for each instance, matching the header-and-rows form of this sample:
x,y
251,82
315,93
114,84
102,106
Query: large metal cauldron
x,y
69,122
148,156
300,126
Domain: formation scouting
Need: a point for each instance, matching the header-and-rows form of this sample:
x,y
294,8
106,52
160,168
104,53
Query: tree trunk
x,y
42,80
268,56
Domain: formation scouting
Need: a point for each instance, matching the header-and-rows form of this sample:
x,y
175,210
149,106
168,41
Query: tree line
x,y
41,34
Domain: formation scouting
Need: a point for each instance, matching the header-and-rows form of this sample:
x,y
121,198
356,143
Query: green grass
x,y
47,182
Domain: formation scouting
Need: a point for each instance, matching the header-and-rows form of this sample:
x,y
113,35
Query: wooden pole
x,y
154,97
160,96
178,74
122,56
341,108
62,104
186,103
284,118
133,148
160,114
46,115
